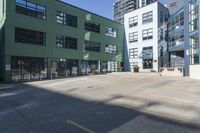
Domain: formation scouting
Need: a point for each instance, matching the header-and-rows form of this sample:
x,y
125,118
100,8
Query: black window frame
x,y
111,49
66,42
111,32
35,10
92,26
66,19
92,46
30,36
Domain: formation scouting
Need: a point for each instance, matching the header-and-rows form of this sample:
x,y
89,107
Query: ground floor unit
x,y
21,68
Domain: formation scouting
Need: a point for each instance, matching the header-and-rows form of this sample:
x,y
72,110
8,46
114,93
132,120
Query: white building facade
x,y
143,37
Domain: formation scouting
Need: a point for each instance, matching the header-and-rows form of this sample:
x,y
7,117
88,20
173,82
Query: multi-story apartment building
x,y
52,39
121,7
176,39
174,5
146,32
192,38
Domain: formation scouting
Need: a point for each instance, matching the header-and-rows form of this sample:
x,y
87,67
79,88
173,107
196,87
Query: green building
x,y
47,39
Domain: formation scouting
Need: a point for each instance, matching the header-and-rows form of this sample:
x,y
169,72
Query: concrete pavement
x,y
116,103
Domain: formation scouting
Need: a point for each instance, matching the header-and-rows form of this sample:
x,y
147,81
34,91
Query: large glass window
x,y
30,36
61,68
92,26
28,68
147,17
147,34
112,49
194,49
147,57
193,15
133,21
133,53
133,37
176,39
66,19
66,42
31,9
177,22
92,46
111,32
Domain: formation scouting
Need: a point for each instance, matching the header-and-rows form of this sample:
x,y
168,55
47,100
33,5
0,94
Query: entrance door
x,y
147,63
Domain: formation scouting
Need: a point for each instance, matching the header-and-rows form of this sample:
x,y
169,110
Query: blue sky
x,y
101,7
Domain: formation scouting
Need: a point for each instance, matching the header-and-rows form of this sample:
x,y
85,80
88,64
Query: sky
x,y
100,7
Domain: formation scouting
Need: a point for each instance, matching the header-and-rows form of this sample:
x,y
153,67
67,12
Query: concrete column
x,y
7,69
49,68
79,68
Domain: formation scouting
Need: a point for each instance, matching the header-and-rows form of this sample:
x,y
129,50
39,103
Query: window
x,y
194,49
28,68
172,4
66,19
147,56
147,17
112,49
92,26
30,36
147,34
92,46
66,42
161,17
133,53
31,9
111,32
133,21
133,37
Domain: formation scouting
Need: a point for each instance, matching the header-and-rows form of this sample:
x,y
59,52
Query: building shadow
x,y
30,109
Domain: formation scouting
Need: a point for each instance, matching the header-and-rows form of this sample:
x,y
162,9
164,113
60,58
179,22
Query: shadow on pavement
x,y
29,109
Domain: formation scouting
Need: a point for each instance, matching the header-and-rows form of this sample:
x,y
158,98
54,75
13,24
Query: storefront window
x,y
61,68
28,68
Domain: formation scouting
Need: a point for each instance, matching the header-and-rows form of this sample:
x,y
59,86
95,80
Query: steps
x,y
178,72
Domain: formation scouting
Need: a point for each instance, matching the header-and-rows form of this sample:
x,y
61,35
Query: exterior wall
x,y
162,32
190,65
186,39
174,5
2,20
195,71
155,7
121,7
52,28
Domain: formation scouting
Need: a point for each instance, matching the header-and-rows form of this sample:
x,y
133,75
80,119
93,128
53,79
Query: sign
x,y
8,67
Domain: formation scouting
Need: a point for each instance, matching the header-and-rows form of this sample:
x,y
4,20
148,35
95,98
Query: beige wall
x,y
195,71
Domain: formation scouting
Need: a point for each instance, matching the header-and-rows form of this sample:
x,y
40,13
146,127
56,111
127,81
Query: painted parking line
x,y
80,126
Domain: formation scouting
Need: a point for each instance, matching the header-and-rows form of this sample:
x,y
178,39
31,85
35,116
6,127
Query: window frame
x,y
133,53
147,17
145,34
36,10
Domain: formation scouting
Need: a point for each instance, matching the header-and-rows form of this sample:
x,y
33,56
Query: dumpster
x,y
136,69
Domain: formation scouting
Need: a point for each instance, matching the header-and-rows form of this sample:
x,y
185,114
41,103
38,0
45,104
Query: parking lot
x,y
115,103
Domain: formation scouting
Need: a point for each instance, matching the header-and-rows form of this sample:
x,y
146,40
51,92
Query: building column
x,y
7,69
79,68
49,68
